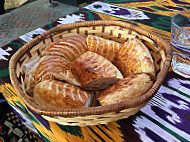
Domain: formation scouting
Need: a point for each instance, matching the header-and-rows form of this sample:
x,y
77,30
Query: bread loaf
x,y
94,71
134,58
68,47
128,88
29,70
104,47
49,67
56,94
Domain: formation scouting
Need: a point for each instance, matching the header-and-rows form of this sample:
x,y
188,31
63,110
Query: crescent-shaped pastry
x,y
94,71
104,47
68,47
134,58
47,68
126,89
56,94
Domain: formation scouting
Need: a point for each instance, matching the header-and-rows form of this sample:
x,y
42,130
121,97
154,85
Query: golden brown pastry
x,y
68,47
94,71
106,48
47,68
126,89
134,58
29,69
56,94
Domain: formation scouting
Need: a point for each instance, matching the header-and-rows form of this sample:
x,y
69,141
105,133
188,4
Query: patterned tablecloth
x,y
167,115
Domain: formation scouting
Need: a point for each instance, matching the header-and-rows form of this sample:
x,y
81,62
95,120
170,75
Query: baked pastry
x,y
134,58
128,88
68,47
104,47
47,68
94,71
28,70
57,94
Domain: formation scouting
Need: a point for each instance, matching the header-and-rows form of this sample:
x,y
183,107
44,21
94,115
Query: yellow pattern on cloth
x,y
55,134
148,4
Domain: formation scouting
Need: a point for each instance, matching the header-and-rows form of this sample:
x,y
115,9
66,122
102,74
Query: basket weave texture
x,y
113,30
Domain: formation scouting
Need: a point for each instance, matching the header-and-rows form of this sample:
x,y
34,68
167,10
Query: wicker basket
x,y
114,30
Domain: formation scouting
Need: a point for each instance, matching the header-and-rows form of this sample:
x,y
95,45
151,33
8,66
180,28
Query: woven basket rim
x,y
98,109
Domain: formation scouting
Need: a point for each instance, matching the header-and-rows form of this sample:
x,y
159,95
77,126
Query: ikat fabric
x,y
165,118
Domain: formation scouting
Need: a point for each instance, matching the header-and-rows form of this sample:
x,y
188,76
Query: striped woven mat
x,y
165,118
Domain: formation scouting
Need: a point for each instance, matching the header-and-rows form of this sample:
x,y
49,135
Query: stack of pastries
x,y
76,71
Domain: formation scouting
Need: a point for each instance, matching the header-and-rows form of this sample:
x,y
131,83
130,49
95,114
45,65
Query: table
x,y
165,118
